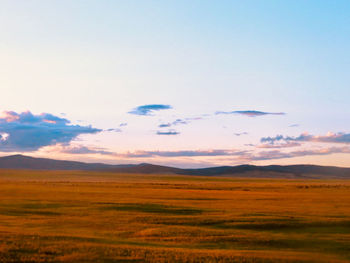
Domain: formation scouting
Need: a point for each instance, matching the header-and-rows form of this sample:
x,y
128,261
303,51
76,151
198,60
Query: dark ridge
x,y
270,171
19,161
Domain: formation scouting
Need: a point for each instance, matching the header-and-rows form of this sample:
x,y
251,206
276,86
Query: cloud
x,y
276,154
26,132
180,121
169,132
250,113
147,110
272,140
85,150
193,153
239,156
294,125
184,121
197,118
242,133
174,123
282,145
117,129
164,125
114,130
305,137
150,154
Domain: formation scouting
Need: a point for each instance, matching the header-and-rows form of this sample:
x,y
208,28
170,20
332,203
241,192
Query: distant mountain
x,y
270,171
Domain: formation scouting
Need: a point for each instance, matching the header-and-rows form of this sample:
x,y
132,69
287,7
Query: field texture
x,y
104,217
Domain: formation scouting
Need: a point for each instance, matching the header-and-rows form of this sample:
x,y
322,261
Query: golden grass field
x,y
68,216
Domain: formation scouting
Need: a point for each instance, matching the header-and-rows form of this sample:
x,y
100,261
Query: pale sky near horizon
x,y
181,83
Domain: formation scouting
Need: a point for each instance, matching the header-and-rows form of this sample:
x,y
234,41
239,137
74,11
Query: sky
x,y
179,83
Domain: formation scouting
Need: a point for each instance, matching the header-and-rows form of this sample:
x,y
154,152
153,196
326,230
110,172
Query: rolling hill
x,y
270,171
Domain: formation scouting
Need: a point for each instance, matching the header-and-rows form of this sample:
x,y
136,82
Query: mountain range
x,y
270,171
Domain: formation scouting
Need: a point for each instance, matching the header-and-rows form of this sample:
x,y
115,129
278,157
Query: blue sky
x,y
96,62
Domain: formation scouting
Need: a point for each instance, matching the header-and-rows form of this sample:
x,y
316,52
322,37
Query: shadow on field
x,y
153,208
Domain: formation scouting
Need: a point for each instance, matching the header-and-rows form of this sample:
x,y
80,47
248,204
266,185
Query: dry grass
x,y
103,217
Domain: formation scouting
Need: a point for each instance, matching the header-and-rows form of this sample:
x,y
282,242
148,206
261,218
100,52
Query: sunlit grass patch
x,y
133,218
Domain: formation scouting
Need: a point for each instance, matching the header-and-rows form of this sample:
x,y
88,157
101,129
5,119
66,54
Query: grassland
x,y
104,217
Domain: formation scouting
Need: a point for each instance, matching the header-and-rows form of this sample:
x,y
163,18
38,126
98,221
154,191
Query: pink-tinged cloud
x,y
278,146
276,154
239,156
28,117
236,156
9,116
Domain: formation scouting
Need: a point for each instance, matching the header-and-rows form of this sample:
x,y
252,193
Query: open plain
x,y
75,216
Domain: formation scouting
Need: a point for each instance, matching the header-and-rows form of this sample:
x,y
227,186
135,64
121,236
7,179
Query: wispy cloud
x,y
239,156
305,137
236,156
26,132
169,132
174,123
277,146
183,121
180,121
147,110
294,125
117,129
85,150
114,130
250,113
276,154
193,153
241,133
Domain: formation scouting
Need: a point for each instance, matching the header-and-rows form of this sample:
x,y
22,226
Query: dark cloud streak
x,y
250,113
170,132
